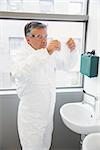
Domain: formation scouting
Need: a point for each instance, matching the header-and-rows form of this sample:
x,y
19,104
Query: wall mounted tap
x,y
95,100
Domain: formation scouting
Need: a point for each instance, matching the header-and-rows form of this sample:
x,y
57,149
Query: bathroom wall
x,y
63,138
92,85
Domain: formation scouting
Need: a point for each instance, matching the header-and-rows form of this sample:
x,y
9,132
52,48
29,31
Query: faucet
x,y
94,106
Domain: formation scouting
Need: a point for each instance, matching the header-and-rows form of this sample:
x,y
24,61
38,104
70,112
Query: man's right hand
x,y
54,45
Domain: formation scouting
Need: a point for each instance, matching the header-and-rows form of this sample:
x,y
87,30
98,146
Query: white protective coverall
x,y
35,75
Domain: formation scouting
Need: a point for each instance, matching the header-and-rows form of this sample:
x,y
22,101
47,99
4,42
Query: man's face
x,y
38,38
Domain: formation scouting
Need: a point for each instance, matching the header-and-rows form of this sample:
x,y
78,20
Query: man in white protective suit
x,y
34,70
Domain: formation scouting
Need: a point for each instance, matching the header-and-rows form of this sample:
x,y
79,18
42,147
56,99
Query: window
x,y
45,6
15,43
65,26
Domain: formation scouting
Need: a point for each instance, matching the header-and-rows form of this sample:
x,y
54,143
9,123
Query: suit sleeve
x,y
66,60
24,66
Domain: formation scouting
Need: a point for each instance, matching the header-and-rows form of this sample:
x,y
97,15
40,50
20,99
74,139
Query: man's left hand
x,y
71,44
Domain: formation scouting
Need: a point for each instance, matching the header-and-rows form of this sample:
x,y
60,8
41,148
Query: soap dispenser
x,y
89,64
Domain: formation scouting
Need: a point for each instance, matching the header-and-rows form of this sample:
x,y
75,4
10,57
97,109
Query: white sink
x,y
79,118
91,142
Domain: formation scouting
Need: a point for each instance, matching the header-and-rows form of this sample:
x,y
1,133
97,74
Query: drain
x,y
91,116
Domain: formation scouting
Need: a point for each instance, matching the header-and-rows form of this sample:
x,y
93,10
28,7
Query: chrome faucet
x,y
95,100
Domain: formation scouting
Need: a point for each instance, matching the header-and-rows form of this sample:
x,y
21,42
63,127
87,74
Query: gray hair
x,y
28,27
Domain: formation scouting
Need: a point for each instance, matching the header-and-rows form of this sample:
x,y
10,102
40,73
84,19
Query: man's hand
x,y
54,45
71,44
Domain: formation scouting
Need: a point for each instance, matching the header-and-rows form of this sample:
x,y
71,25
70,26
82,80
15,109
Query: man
x,y
34,72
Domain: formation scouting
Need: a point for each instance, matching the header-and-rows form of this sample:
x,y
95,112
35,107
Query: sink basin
x,y
79,118
91,142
